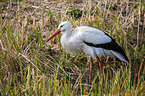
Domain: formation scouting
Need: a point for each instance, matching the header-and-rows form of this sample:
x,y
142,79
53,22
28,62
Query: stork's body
x,y
91,41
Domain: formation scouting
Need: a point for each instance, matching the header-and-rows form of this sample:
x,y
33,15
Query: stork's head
x,y
63,26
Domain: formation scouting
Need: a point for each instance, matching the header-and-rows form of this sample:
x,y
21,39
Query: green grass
x,y
30,66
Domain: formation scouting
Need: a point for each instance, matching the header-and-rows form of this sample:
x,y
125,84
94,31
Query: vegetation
x,y
30,66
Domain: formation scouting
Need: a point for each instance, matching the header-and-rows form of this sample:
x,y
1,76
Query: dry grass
x,y
29,66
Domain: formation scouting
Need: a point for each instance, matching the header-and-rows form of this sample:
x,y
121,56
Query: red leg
x,y
100,65
91,65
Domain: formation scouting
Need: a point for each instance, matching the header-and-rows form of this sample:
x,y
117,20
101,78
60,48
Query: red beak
x,y
54,34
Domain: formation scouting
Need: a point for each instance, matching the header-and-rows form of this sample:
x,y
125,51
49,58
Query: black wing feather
x,y
109,46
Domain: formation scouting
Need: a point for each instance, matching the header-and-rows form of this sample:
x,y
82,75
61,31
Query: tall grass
x,y
29,66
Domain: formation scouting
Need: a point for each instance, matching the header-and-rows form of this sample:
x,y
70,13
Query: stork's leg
x,y
91,65
100,65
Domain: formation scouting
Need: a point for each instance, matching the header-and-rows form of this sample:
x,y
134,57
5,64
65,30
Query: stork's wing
x,y
93,35
98,39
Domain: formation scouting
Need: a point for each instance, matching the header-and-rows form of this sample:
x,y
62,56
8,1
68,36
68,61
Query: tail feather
x,y
119,56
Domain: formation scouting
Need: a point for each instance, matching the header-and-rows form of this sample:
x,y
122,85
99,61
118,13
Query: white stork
x,y
91,41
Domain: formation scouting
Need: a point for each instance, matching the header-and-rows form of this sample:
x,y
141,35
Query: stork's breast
x,y
75,46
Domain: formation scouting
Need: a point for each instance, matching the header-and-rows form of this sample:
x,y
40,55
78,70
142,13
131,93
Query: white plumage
x,y
91,41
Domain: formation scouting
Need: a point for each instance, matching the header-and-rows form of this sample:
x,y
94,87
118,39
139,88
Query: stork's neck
x,y
66,34
65,39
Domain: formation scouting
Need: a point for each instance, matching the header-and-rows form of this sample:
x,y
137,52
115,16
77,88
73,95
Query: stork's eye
x,y
61,26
